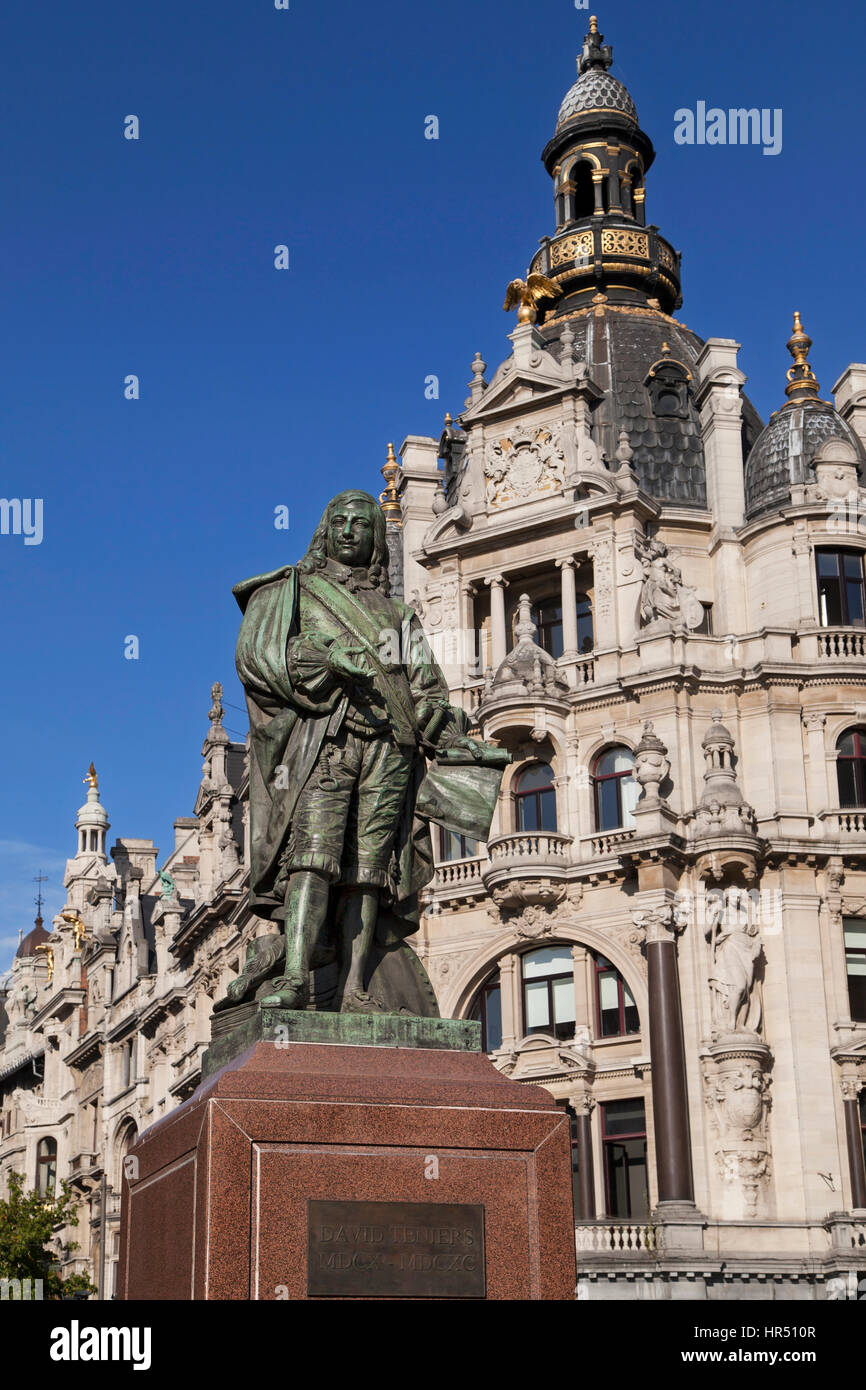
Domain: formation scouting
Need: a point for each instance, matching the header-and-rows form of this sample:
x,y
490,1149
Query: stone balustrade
x,y
605,1237
841,643
607,844
843,823
458,873
529,849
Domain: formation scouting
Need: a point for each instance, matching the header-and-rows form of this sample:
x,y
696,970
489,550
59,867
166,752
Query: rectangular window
x,y
855,960
548,991
841,601
705,626
454,846
625,1161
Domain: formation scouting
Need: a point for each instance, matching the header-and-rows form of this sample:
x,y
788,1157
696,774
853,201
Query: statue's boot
x,y
268,955
288,992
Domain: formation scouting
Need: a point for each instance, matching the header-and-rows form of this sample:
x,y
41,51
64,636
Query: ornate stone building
x,y
658,606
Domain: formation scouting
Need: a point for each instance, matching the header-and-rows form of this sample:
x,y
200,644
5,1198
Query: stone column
x,y
816,765
470,655
853,1133
597,181
667,1051
581,998
583,1105
569,607
498,585
508,975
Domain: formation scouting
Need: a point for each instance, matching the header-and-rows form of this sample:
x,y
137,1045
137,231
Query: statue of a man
x,y
345,700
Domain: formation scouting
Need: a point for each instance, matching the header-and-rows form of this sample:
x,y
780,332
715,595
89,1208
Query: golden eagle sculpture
x,y
528,293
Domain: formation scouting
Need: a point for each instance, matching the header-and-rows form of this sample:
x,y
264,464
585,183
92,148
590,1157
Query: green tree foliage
x,y
28,1222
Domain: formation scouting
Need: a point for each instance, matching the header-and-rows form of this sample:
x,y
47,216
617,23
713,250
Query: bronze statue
x,y
346,704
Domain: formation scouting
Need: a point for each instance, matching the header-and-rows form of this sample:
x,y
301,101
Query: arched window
x,y
851,767
584,198
535,798
487,1010
548,991
615,1006
616,790
46,1167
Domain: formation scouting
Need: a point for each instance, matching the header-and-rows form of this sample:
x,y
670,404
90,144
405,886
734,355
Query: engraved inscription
x,y
395,1250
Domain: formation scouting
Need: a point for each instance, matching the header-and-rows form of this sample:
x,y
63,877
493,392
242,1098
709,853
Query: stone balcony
x,y
844,823
541,855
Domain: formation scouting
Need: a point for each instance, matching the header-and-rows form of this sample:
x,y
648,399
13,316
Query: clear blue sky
x,y
261,388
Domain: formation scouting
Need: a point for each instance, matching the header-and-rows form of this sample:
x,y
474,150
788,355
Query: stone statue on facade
x,y
663,596
346,706
735,946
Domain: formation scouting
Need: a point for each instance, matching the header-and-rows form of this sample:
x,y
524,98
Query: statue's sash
x,y
351,615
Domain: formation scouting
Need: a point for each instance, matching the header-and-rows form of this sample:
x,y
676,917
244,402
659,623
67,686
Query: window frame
x,y
521,798
550,1027
839,554
44,1163
608,1143
478,1012
621,985
619,777
857,760
859,952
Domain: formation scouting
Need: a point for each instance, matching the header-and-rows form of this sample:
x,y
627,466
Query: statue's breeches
x,y
347,814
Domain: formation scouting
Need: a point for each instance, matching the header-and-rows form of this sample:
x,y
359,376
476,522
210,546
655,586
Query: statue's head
x,y
352,532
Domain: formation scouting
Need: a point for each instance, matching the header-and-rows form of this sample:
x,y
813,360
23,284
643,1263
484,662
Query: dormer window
x,y
668,386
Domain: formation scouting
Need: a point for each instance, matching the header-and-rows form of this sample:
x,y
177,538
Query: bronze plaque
x,y
395,1250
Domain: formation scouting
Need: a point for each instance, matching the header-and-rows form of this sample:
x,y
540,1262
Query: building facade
x,y
658,605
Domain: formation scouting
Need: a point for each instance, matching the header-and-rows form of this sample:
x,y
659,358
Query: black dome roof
x,y
620,346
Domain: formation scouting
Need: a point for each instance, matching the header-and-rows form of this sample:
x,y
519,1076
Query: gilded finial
x,y
593,24
528,293
802,382
388,499
448,420
91,779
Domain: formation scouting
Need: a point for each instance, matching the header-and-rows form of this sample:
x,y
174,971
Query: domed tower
x,y
92,821
806,433
598,159
619,285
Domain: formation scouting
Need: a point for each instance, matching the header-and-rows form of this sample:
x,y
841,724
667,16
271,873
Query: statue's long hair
x,y
317,552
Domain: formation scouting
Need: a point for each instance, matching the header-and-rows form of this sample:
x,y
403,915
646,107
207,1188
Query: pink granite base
x,y
218,1209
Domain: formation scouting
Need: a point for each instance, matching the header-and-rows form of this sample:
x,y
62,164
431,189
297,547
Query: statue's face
x,y
350,534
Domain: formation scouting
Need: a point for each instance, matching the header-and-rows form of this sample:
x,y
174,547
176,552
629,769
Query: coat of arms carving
x,y
528,463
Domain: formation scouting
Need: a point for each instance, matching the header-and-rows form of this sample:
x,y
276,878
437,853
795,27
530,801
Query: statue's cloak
x,y
287,729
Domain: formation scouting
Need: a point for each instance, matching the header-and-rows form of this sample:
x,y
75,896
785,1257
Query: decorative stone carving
x,y
721,810
533,908
737,1094
664,598
527,669
651,765
528,463
660,923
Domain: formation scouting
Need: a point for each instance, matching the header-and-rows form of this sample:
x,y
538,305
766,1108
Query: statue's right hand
x,y
341,663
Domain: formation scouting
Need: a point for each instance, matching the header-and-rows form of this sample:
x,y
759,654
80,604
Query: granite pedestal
x,y
387,1158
